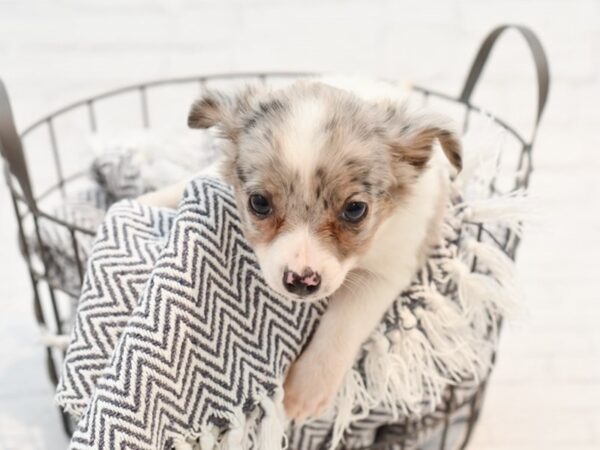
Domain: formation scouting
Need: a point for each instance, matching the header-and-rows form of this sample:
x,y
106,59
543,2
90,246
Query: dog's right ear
x,y
222,110
208,110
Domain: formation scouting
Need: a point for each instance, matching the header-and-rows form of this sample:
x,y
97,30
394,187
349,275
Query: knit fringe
x,y
510,210
271,435
264,428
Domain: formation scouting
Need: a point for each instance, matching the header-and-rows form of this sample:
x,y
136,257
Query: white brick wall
x,y
545,393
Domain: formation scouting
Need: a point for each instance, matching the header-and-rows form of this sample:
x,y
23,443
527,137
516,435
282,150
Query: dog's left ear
x,y
412,137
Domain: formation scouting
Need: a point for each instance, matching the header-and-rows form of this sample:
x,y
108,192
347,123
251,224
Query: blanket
x,y
126,165
179,342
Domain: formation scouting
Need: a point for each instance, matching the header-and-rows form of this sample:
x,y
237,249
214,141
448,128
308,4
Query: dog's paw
x,y
311,386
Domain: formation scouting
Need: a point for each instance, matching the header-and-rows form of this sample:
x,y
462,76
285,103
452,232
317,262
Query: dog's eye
x,y
260,205
354,211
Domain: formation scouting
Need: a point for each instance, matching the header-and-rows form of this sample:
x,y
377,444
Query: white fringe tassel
x,y
510,210
182,444
352,403
234,438
208,439
271,434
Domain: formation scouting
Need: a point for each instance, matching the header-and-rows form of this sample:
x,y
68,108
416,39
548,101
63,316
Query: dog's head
x,y
315,171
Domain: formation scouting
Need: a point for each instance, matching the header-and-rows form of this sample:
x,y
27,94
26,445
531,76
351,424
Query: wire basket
x,y
53,138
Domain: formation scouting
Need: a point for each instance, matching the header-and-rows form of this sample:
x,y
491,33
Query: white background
x,y
545,393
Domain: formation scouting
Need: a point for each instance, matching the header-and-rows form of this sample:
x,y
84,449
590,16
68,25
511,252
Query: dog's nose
x,y
303,284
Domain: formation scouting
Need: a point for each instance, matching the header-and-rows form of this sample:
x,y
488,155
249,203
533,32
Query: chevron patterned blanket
x,y
179,343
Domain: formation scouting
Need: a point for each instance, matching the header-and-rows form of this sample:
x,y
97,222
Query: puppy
x,y
338,192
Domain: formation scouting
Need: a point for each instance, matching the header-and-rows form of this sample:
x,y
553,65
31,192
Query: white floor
x,y
545,393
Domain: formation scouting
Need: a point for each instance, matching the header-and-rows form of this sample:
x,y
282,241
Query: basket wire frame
x,y
48,295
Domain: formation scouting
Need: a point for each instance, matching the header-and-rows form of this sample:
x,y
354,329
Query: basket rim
x,y
260,75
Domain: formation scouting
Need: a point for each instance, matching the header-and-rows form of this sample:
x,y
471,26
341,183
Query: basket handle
x,y
539,58
11,148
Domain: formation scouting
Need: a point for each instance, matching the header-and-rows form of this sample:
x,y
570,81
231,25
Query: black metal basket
x,y
30,200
